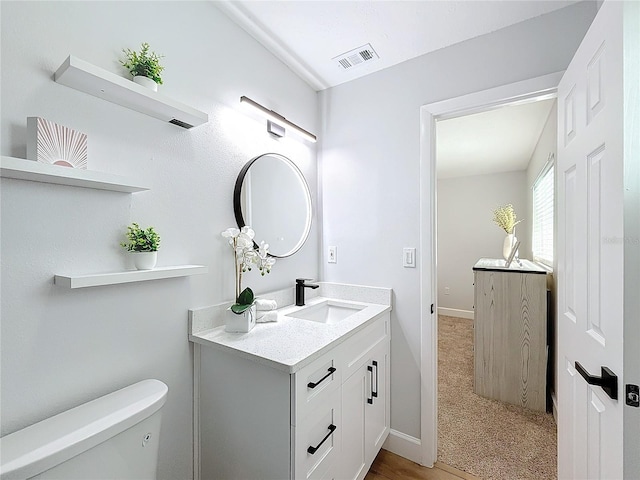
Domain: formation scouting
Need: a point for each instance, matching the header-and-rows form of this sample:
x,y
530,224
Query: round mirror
x,y
272,196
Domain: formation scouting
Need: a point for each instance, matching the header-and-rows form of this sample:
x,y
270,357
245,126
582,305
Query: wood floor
x,y
389,466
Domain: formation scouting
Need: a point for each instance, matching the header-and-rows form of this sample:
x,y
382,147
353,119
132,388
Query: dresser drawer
x,y
313,384
354,351
317,441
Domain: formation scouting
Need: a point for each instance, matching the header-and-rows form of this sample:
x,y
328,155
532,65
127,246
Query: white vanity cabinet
x,y
326,420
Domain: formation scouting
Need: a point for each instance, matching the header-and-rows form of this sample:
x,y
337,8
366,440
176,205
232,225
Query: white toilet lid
x,y
48,443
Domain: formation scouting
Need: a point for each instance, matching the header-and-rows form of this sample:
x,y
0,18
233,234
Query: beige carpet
x,y
486,438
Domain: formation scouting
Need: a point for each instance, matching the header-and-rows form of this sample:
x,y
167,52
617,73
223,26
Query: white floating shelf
x,y
83,76
30,170
99,279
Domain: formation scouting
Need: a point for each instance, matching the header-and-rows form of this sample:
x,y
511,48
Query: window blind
x,y
543,202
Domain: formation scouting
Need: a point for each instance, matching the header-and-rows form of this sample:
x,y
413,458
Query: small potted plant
x,y
144,66
143,243
242,314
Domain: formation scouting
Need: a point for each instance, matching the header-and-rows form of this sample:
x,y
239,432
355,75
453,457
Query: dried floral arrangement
x,y
505,217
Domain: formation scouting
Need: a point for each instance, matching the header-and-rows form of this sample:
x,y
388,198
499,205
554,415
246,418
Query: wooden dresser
x,y
510,332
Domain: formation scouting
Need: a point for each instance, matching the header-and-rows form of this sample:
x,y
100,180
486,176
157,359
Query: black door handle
x,y
312,450
314,385
608,380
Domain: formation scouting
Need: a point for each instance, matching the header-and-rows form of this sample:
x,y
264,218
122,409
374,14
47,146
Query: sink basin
x,y
327,311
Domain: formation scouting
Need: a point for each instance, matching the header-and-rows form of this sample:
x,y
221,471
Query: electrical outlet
x,y
446,290
333,255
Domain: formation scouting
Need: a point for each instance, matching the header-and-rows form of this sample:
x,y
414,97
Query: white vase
x,y
240,322
145,260
509,241
147,82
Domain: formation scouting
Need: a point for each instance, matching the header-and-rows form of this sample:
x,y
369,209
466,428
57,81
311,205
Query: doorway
x,y
486,160
522,92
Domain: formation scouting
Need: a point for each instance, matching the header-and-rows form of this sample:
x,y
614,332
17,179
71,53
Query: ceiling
x,y
500,140
311,36
308,35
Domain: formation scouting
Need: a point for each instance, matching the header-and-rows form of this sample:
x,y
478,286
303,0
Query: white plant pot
x,y
240,322
145,260
146,82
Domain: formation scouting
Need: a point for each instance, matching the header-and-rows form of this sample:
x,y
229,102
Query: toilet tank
x,y
112,437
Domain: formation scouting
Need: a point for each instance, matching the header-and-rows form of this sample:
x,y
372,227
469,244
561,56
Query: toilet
x,y
112,437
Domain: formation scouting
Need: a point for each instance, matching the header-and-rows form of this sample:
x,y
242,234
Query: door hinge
x,y
432,309
632,395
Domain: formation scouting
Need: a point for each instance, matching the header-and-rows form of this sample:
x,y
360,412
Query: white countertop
x,y
290,343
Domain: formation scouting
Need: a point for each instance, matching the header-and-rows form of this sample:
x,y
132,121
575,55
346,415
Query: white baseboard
x,y
404,445
554,400
454,312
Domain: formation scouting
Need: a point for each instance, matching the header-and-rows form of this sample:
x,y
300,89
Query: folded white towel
x,y
264,304
264,317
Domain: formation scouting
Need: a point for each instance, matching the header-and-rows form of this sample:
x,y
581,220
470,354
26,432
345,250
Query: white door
x,y
590,251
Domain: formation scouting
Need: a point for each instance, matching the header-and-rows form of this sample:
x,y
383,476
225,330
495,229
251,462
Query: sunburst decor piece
x,y
54,144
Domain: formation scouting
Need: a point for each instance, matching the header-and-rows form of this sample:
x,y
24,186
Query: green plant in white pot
x,y
144,66
144,244
242,314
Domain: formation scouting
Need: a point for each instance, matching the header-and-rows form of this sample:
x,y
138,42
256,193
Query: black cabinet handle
x,y
370,370
312,450
608,380
374,393
314,385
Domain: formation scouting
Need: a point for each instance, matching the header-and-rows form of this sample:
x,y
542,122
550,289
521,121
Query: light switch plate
x,y
409,257
333,255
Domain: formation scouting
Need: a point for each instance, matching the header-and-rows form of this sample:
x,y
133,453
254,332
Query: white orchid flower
x,y
248,231
243,241
263,249
231,233
245,255
263,260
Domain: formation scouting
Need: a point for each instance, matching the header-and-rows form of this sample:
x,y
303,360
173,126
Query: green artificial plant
x,y
144,63
141,240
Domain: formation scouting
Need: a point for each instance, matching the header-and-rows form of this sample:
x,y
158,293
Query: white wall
x,y
466,231
370,166
547,144
61,348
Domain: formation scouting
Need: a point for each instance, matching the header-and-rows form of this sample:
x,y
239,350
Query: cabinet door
x,y
365,413
354,391
377,405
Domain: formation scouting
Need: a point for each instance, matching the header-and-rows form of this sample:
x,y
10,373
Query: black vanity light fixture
x,y
276,123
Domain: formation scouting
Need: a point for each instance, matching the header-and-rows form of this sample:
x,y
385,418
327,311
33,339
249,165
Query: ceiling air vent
x,y
356,57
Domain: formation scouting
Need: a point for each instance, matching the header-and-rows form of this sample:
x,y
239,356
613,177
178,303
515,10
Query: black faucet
x,y
300,286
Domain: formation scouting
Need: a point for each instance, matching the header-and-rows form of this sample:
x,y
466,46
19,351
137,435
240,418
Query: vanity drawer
x,y
317,441
313,384
354,350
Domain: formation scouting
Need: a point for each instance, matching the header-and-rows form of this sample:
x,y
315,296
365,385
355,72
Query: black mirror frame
x,y
237,200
